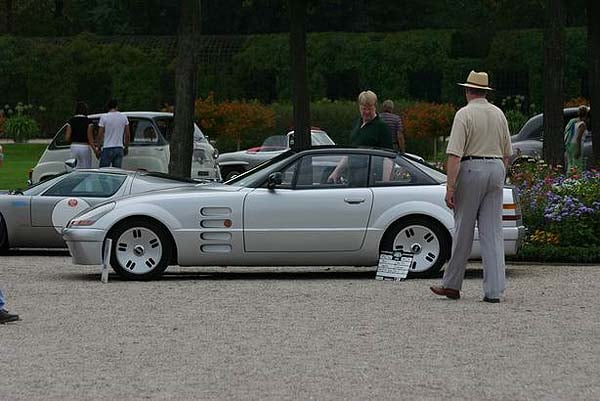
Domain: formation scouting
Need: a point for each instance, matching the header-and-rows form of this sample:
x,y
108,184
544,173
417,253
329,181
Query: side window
x,y
142,132
388,171
165,125
315,171
60,140
87,185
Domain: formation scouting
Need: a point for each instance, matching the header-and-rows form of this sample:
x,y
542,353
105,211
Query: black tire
x,y
141,249
3,237
230,172
427,238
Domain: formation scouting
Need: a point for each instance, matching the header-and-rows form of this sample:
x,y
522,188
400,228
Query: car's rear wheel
x,y
427,239
3,237
141,250
230,172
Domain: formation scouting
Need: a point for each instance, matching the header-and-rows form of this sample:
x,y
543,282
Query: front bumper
x,y
85,245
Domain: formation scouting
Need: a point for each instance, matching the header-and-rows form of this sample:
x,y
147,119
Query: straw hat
x,y
477,80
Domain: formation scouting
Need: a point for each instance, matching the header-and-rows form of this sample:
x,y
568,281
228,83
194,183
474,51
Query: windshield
x,y
251,175
320,138
167,124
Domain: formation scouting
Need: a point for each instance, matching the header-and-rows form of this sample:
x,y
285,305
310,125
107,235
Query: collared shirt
x,y
394,123
374,133
479,129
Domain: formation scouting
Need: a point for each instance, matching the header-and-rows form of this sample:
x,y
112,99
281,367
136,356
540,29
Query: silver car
x,y
528,144
286,212
35,217
235,163
148,148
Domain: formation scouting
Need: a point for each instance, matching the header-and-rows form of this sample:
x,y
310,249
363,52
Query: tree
x,y
593,16
182,145
302,137
554,61
8,11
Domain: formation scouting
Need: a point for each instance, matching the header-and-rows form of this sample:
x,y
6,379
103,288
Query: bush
x,y
230,122
21,128
558,209
424,124
564,254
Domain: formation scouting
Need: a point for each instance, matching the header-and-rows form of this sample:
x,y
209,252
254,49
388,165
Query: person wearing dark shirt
x,y
394,123
369,131
80,135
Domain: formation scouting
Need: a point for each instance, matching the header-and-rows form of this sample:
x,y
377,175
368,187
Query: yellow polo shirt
x,y
479,129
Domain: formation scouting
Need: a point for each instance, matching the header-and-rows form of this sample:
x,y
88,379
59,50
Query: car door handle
x,y
354,201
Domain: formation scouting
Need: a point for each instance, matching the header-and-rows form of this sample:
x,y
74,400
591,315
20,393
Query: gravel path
x,y
316,334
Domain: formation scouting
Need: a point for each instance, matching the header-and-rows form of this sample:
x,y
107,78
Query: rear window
x,y
93,185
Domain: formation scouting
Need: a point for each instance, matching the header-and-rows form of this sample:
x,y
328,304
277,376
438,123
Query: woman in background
x,y
80,135
574,140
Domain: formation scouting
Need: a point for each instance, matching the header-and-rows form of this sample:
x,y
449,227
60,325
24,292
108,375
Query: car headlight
x,y
92,216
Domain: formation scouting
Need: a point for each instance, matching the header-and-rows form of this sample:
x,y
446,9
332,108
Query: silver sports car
x,y
289,211
35,217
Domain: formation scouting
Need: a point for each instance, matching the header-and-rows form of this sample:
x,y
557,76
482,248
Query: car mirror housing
x,y
274,180
72,163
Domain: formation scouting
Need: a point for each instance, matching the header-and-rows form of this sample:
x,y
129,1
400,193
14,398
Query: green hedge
x,y
54,73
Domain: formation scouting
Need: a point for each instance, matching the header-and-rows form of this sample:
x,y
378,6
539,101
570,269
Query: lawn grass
x,y
19,158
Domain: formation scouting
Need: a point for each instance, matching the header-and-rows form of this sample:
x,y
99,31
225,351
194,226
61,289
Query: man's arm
x,y
453,165
126,135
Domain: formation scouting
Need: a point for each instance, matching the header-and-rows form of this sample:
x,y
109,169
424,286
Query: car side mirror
x,y
72,163
274,180
291,140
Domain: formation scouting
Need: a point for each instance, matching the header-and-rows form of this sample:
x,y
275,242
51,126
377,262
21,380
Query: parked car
x,y
148,148
235,163
35,217
528,143
286,212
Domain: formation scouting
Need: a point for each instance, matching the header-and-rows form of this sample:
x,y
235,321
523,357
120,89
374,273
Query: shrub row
x,y
404,65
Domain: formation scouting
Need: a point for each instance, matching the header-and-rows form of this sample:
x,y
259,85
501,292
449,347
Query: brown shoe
x,y
447,292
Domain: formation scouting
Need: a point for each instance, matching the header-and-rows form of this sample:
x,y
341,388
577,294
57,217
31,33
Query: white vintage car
x,y
148,149
286,211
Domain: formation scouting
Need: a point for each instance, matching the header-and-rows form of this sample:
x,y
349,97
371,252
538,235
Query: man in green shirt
x,y
370,130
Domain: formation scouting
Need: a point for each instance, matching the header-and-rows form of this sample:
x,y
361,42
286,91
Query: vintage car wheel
x,y
3,237
141,250
425,238
230,172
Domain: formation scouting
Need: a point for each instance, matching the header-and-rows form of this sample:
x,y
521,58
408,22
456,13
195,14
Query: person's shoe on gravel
x,y
6,317
447,292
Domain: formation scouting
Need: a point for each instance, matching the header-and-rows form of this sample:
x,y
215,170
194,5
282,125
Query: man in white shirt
x,y
114,134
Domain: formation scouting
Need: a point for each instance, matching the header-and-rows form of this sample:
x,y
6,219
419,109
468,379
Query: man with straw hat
x,y
478,152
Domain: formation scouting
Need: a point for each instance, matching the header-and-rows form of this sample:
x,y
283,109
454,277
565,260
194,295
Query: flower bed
x,y
561,213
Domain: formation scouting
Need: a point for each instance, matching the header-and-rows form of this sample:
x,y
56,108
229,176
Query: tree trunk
x,y
302,138
593,13
8,11
181,145
554,61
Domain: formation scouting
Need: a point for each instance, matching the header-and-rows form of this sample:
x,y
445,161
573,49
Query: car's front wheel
x,y
425,238
141,250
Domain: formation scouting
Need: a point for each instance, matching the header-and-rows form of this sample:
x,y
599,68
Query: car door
x,y
147,149
76,192
306,213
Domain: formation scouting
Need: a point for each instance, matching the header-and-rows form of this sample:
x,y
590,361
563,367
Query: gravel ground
x,y
316,334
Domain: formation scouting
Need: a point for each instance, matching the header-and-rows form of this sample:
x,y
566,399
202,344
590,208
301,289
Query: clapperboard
x,y
393,265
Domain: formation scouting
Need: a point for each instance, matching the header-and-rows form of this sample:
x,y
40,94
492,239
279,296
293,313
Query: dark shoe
x,y
491,300
6,317
447,292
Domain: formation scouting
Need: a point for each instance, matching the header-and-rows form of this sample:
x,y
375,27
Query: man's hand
x,y
334,177
449,198
125,150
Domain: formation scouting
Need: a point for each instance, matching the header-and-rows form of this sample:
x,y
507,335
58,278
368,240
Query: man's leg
x,y
117,160
491,236
468,194
105,157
